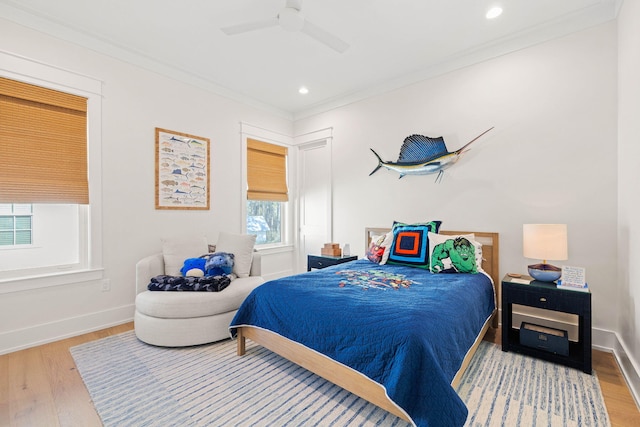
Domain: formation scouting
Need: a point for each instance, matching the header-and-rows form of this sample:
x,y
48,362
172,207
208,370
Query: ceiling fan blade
x,y
294,4
324,37
250,26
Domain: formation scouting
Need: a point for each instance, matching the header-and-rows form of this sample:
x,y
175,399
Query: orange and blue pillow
x,y
410,244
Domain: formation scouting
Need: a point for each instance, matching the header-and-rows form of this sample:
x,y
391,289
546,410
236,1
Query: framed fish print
x,y
182,171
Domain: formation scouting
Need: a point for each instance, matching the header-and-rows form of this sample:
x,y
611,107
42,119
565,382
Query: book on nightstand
x,y
572,287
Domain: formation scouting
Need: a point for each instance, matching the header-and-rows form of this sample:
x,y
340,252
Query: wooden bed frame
x,y
350,379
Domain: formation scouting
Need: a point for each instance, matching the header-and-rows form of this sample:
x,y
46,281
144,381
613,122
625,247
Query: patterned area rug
x,y
134,384
508,389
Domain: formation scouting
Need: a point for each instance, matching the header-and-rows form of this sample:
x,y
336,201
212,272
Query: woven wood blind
x,y
266,171
43,145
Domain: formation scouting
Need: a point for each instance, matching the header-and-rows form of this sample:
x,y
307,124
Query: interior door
x,y
315,198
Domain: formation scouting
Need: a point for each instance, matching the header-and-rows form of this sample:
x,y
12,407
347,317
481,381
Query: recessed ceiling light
x,y
494,12
303,90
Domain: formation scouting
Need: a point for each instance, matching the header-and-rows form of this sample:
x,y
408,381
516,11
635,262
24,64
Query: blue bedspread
x,y
405,328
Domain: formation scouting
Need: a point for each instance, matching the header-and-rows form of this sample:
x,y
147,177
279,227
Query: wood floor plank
x,y
73,404
4,391
617,396
31,400
42,387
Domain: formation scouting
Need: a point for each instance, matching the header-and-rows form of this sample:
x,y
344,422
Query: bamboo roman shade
x,y
43,145
266,171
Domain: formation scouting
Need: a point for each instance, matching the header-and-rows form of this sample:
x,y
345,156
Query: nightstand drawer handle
x,y
543,299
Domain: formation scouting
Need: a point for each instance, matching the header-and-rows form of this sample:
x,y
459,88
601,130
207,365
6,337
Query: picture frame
x,y
182,171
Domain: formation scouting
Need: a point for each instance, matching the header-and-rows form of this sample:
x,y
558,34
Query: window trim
x,y
33,72
20,284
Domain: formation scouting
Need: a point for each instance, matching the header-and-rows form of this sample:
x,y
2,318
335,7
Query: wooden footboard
x,y
336,372
472,351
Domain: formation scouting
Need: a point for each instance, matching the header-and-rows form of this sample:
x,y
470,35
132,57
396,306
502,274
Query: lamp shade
x,y
545,241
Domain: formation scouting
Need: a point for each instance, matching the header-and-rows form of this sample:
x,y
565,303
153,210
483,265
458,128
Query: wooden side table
x,y
547,296
323,261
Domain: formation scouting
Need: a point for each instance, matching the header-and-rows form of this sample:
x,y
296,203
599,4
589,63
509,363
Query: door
x,y
315,198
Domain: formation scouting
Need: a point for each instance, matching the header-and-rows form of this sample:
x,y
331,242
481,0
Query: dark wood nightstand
x,y
322,261
547,296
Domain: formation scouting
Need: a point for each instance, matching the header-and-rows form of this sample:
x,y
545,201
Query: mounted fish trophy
x,y
422,155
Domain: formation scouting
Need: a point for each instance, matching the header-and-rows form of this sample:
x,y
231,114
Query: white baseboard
x,y
54,331
610,341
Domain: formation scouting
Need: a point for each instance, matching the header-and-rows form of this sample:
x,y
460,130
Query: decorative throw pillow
x,y
376,249
454,253
410,245
175,251
241,246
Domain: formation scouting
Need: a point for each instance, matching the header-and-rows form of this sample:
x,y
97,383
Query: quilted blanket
x,y
189,284
405,328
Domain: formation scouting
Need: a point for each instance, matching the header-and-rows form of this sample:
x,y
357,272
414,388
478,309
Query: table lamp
x,y
545,242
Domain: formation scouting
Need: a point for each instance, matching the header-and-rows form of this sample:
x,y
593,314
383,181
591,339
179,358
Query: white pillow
x,y
241,246
176,251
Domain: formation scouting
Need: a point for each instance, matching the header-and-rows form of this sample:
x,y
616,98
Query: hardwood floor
x,y
40,386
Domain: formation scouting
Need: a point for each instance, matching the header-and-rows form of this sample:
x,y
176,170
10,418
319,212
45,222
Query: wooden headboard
x,y
490,253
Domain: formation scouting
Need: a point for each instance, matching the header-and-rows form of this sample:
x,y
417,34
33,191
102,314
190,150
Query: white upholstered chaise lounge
x,y
178,319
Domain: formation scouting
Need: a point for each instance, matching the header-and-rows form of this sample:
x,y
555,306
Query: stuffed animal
x,y
193,267
219,264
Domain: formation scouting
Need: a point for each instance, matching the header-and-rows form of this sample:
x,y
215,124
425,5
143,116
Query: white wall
x,y
628,177
135,102
551,157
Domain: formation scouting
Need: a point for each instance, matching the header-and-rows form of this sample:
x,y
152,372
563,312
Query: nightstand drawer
x,y
550,299
546,300
317,262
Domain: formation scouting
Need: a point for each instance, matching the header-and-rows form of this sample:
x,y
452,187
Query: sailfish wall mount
x,y
423,155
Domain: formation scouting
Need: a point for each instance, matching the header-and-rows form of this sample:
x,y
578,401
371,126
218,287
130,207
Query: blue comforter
x,y
405,328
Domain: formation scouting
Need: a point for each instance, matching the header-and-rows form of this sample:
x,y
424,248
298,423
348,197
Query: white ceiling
x,y
392,42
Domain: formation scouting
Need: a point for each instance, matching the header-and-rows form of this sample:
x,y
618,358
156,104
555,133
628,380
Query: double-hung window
x,y
44,189
267,191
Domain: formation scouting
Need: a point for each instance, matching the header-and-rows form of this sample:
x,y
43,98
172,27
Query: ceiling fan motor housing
x,y
291,19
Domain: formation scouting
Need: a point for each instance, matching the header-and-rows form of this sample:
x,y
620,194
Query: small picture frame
x,y
573,276
182,171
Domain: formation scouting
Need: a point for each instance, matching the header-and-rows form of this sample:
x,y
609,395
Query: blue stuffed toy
x,y
194,267
219,264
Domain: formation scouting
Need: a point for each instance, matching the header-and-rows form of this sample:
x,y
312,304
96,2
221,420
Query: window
x,y
16,224
46,147
264,219
267,191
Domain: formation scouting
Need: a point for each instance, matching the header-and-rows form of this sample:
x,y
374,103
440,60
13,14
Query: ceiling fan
x,y
291,18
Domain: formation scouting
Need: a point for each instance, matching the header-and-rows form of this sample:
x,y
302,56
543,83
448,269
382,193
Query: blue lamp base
x,y
545,272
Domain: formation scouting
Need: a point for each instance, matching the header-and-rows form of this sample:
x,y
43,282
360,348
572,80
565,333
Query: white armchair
x,y
178,319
